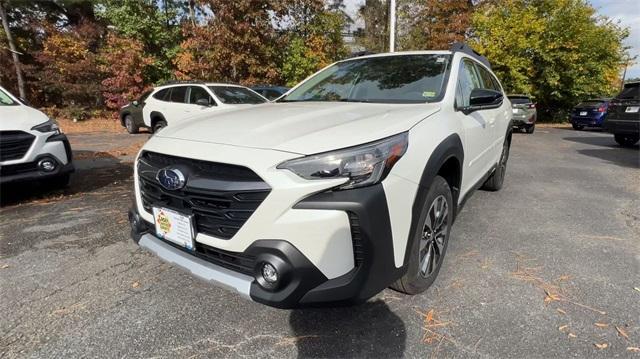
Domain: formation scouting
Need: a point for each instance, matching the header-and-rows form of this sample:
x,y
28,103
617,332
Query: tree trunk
x,y
12,48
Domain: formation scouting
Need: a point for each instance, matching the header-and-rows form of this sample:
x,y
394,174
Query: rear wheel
x,y
130,125
430,241
577,127
159,125
626,140
530,128
495,181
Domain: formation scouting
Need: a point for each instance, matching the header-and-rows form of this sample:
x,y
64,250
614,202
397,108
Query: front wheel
x,y
626,140
577,127
158,126
529,129
430,241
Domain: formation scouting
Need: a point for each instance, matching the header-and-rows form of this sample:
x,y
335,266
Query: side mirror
x,y
203,102
25,102
135,103
482,99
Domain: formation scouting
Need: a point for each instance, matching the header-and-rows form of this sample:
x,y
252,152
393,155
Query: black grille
x,y
356,238
238,262
14,144
221,197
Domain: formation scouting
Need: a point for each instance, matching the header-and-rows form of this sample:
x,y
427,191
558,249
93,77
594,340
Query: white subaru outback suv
x,y
32,146
176,101
347,185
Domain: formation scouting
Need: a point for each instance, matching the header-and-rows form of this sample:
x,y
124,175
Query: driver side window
x,y
468,80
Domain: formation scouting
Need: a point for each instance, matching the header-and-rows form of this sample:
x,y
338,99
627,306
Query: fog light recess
x,y
269,273
47,164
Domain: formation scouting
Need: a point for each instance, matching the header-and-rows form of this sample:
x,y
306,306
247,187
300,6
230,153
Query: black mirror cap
x,y
485,97
203,102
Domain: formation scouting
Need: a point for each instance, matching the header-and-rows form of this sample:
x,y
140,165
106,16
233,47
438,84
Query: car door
x,y
178,108
495,116
478,126
200,93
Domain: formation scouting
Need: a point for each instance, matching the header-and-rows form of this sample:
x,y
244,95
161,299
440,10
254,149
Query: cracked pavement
x,y
529,272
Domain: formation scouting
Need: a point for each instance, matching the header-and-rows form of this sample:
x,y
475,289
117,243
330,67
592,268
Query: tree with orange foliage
x,y
123,63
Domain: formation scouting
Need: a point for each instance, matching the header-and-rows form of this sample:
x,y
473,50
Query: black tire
x,y
130,125
577,127
626,140
529,129
430,227
495,181
159,125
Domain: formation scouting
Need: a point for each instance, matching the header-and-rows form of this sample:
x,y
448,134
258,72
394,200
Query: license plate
x,y
583,113
632,109
174,227
515,110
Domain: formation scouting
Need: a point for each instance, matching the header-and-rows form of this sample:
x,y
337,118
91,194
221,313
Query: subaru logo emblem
x,y
171,178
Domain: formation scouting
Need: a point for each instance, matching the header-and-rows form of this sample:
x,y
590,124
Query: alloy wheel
x,y
434,236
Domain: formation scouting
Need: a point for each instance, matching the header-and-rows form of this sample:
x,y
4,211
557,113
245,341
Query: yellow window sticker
x,y
429,94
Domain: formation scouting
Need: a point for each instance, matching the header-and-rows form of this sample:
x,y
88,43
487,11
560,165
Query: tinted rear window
x,y
161,95
590,104
630,91
519,99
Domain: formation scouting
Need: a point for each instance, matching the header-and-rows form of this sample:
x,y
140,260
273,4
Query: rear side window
x,y
468,80
179,94
197,93
161,95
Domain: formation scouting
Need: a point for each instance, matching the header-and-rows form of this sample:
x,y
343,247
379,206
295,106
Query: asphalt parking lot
x,y
549,266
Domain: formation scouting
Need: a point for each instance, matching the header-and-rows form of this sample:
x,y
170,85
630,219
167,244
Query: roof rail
x,y
177,82
464,48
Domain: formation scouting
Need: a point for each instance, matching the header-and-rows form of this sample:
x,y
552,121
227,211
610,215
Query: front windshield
x,y
385,79
234,95
6,100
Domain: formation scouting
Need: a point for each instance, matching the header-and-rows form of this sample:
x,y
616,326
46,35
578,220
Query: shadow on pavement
x,y
612,152
370,330
94,170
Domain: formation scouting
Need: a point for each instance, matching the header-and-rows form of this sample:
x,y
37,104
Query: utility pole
x,y
12,48
392,25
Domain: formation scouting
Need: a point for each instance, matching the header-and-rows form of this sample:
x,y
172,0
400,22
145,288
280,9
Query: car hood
x,y
20,118
303,128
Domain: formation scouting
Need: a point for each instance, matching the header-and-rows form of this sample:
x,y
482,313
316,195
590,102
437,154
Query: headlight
x,y
363,165
48,126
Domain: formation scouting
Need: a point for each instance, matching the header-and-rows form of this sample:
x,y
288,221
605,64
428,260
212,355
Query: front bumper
x,y
55,148
301,282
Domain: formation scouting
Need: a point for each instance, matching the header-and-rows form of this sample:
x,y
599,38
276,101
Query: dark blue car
x,y
590,113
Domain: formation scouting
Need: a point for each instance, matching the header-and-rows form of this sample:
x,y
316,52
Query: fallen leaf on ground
x,y
633,349
622,332
636,288
601,325
561,311
601,346
5,266
571,335
135,284
563,327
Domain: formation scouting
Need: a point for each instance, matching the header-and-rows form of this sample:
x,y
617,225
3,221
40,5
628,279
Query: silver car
x,y
524,112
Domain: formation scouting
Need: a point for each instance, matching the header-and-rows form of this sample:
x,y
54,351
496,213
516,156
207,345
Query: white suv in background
x,y
171,103
32,146
348,184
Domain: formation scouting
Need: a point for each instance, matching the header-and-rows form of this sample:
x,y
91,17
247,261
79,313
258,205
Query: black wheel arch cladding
x,y
450,148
